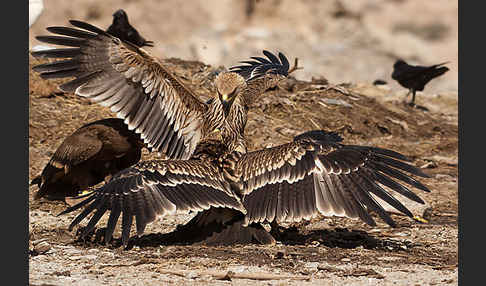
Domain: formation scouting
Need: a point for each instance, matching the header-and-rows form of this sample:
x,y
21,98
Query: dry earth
x,y
325,251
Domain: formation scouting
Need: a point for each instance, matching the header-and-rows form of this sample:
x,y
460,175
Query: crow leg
x,y
412,103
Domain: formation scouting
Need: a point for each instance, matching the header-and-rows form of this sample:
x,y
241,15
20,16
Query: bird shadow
x,y
176,237
292,236
416,106
337,238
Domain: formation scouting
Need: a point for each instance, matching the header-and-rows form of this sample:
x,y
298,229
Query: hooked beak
x,y
226,100
224,97
226,106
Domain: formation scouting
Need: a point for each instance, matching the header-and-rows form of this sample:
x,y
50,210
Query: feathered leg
x,y
218,226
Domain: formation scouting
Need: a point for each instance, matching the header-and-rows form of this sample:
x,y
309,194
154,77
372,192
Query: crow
x,y
120,28
416,77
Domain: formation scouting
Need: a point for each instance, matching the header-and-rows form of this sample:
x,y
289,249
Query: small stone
x,y
71,251
42,247
346,260
335,102
402,234
311,266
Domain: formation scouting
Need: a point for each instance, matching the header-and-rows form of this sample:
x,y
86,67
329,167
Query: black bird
x,y
415,77
120,28
93,153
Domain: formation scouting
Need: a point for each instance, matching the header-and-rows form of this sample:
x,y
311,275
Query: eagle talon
x,y
420,219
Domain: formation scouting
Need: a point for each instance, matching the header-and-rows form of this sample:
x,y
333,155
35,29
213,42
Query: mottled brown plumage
x,y
93,153
234,193
232,190
152,101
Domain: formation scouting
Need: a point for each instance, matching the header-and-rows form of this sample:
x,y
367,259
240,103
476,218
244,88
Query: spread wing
x,y
259,66
261,74
316,174
117,74
155,188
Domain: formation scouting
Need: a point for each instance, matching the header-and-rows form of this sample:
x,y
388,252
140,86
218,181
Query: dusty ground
x,y
327,251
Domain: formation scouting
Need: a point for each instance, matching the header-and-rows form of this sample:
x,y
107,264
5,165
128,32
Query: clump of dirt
x,y
342,249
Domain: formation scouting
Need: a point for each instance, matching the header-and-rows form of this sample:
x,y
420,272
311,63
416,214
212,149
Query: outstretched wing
x,y
117,74
155,188
261,66
317,174
261,74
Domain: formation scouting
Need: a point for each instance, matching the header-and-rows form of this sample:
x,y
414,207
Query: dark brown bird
x,y
234,193
121,29
416,77
154,103
93,153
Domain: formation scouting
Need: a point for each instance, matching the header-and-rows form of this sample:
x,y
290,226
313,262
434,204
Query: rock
x,y
443,159
311,266
335,102
42,247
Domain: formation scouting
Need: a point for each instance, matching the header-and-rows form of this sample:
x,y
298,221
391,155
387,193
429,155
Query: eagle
x,y
90,155
232,190
233,193
150,99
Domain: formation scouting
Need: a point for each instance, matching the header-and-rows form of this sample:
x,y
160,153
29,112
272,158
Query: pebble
x,y
388,258
311,265
346,260
87,257
402,234
72,251
108,254
42,247
335,102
